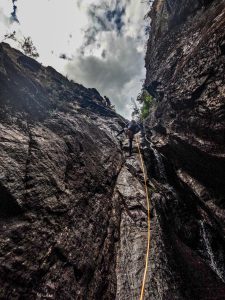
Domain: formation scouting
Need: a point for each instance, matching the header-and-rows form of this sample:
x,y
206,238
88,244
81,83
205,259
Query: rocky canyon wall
x,y
59,161
72,205
185,64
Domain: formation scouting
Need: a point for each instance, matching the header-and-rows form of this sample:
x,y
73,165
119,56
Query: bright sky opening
x,y
96,43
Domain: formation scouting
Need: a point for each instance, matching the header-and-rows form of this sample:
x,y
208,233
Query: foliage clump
x,y
26,44
28,47
146,102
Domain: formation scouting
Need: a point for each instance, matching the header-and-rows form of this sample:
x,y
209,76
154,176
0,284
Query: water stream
x,y
214,264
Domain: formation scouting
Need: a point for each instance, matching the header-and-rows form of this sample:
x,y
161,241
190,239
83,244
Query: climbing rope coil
x,y
148,221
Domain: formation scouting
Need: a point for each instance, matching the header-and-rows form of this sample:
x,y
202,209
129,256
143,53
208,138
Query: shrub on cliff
x,y
29,48
26,44
147,102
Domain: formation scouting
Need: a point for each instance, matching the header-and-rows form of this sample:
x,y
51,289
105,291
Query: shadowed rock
x,y
187,124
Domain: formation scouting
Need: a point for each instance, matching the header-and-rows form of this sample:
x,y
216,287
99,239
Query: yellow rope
x,y
149,223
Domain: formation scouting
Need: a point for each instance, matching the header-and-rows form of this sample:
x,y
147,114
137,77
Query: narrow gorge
x,y
72,204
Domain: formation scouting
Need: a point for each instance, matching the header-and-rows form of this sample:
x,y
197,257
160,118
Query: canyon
x,y
73,208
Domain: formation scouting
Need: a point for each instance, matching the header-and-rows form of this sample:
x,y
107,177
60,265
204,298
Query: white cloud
x,y
112,32
4,18
117,75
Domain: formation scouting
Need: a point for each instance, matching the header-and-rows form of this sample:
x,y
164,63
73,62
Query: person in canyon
x,y
130,130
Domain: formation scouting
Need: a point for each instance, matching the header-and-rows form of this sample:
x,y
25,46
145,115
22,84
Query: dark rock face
x,y
59,161
72,208
185,64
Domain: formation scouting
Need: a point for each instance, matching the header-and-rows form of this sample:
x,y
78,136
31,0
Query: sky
x,y
97,43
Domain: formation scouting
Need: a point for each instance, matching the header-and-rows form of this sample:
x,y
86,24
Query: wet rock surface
x,y
72,205
73,210
133,230
185,65
59,161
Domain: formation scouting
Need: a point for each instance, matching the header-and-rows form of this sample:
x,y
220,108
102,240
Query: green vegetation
x,y
147,102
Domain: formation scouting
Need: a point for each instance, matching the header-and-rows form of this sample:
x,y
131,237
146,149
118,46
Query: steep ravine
x,y
72,205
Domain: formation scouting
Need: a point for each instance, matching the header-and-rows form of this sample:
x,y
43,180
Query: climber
x,y
130,130
107,101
